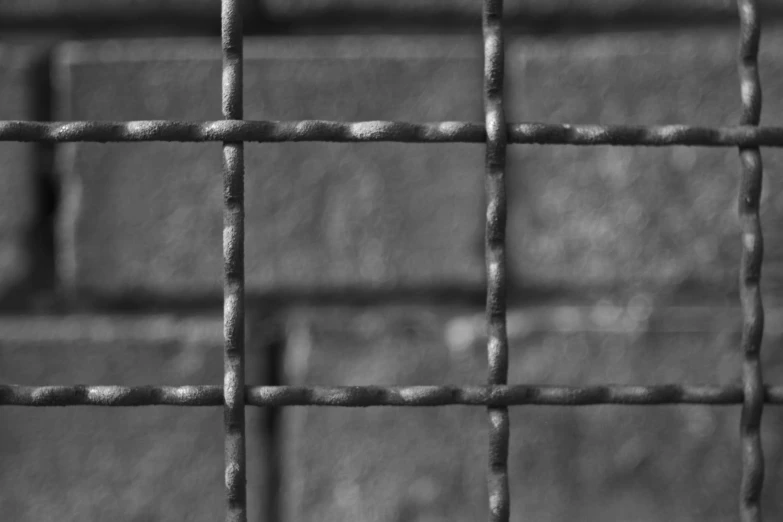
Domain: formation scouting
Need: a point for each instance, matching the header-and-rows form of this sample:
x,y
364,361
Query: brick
x,y
644,219
600,462
17,178
98,463
146,218
589,218
555,10
378,463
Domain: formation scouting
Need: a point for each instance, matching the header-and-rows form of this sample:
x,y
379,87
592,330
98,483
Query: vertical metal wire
x,y
497,343
750,268
234,268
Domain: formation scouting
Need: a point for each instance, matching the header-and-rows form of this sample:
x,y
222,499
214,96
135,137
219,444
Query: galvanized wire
x,y
234,268
495,251
750,268
387,131
371,396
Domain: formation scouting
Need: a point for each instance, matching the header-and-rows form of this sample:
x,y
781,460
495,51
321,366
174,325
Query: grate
x,y
497,396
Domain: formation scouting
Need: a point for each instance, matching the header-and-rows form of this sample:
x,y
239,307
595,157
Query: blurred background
x,y
365,262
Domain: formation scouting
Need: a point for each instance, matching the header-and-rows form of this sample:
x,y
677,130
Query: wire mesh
x,y
496,396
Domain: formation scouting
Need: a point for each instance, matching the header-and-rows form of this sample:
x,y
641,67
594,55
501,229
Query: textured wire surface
x,y
234,268
750,268
372,131
495,252
497,396
367,396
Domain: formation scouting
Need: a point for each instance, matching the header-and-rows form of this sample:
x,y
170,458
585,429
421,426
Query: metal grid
x,y
496,133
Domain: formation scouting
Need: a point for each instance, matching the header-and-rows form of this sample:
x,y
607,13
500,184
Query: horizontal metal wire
x,y
386,131
364,396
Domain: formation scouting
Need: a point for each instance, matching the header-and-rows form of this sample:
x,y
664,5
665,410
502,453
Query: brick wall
x,y
365,262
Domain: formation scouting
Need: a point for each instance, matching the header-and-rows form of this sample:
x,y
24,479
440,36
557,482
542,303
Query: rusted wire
x,y
750,268
497,396
234,268
387,131
495,252
370,396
